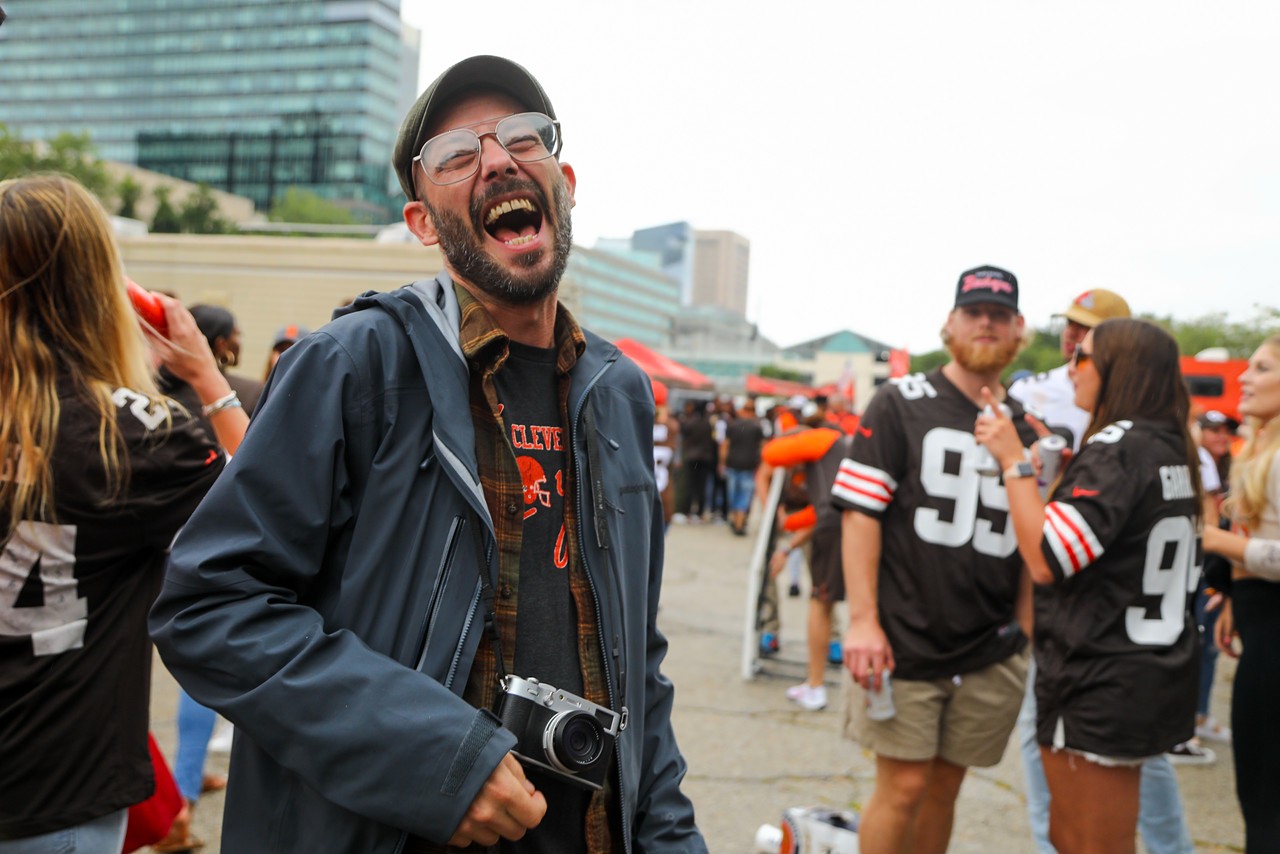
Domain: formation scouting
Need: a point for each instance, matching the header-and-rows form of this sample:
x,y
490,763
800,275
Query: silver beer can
x,y
880,703
1050,449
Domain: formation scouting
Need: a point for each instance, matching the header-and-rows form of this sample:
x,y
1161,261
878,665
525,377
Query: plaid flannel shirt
x,y
485,347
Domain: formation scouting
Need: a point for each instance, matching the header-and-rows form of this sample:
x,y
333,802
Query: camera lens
x,y
577,740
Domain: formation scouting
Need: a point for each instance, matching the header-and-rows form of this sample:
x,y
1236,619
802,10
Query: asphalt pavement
x,y
753,754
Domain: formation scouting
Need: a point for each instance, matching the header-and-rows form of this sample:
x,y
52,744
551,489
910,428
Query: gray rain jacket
x,y
325,596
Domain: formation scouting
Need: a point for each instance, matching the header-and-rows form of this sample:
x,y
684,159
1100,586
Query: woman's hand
x,y
1224,631
186,351
998,433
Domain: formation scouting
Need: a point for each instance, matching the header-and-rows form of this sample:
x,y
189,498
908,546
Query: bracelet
x,y
227,401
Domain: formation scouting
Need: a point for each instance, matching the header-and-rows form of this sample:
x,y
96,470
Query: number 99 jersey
x,y
1116,646
949,564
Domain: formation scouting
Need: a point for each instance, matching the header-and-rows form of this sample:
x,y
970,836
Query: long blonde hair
x,y
63,313
1249,470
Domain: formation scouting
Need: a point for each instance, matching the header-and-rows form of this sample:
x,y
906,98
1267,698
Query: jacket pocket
x,y
456,528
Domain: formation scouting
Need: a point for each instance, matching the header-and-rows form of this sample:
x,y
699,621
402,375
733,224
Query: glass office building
x,y
249,96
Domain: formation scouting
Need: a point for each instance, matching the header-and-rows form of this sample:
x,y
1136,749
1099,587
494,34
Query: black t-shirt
x,y
949,564
1116,644
745,436
546,619
75,658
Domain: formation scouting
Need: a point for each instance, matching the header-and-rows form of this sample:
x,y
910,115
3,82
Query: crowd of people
x,y
426,589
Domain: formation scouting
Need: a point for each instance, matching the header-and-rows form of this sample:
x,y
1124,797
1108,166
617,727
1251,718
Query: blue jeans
x,y
1206,620
1160,817
100,836
741,485
195,726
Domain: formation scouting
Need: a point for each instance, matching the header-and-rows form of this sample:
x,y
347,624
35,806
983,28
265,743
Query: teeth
x,y
508,207
521,241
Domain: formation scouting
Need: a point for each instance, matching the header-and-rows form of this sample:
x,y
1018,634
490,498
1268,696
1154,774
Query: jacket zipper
x,y
595,598
437,592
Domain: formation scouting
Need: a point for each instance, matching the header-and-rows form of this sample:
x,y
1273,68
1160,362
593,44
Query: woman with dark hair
x,y
97,472
1113,555
1252,608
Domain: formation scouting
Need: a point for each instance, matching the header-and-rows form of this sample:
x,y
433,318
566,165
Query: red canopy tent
x,y
663,369
777,388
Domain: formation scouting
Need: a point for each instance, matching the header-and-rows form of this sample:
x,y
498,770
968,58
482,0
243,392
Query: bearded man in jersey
x,y
937,593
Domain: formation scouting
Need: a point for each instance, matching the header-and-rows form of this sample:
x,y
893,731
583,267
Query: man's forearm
x,y
860,553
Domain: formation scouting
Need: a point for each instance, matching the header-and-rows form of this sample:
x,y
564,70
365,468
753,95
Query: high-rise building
x,y
249,96
720,263
711,266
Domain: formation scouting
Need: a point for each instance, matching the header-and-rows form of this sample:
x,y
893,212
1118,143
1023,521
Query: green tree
x,y
69,153
166,220
776,373
199,214
130,192
1240,338
304,207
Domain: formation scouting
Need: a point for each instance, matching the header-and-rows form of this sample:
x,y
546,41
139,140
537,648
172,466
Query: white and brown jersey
x,y
949,568
1116,645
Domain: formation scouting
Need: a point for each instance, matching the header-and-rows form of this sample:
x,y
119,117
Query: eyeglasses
x,y
454,155
1080,356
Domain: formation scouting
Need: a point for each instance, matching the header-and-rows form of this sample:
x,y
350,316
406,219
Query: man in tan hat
x,y
1051,396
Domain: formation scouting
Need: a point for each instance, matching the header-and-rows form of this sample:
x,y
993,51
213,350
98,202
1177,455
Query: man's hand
x,y
507,806
867,653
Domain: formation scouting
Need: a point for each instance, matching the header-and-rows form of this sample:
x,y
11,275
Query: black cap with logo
x,y
987,284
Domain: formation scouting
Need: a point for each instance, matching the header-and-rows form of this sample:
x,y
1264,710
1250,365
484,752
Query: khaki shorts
x,y
965,720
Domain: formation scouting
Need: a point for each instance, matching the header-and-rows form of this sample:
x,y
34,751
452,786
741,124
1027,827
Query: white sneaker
x,y
1211,730
220,742
808,697
678,519
1191,753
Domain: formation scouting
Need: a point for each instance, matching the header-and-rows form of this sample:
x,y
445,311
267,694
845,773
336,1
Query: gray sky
x,y
872,151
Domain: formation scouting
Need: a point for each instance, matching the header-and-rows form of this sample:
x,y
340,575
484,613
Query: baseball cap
x,y
289,335
1094,306
987,284
477,72
1213,418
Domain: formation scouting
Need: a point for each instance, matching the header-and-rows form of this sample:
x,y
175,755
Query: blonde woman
x,y
97,472
1252,612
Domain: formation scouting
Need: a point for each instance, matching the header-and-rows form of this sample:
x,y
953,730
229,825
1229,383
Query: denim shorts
x,y
741,486
103,835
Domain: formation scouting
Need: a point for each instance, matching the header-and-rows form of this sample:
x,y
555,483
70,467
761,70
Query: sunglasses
x,y
1080,356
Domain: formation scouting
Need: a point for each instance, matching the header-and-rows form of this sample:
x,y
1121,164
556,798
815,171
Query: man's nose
x,y
495,160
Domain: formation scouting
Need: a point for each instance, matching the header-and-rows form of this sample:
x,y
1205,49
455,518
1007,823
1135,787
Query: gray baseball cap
x,y
478,72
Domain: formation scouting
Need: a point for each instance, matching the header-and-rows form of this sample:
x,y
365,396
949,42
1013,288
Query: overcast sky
x,y
872,151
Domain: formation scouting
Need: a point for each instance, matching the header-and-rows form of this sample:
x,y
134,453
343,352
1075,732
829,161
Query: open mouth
x,y
514,222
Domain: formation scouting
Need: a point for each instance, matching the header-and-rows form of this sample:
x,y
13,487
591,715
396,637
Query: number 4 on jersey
x,y
38,590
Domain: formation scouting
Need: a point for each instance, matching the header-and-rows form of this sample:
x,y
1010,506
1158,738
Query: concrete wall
x,y
268,282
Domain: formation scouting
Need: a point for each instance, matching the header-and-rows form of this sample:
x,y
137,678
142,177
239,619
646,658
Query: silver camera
x,y
559,732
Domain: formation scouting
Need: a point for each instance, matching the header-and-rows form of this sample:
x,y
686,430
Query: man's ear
x,y
420,223
571,179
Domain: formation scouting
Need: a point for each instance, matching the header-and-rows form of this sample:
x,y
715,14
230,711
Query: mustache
x,y
502,188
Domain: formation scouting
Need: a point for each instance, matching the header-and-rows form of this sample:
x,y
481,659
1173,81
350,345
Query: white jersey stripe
x,y
864,486
1074,533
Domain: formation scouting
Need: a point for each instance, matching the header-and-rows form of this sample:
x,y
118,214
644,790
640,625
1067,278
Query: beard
x,y
984,358
463,246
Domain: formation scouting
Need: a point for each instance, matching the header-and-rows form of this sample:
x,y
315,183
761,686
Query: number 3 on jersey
x,y
38,590
966,490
